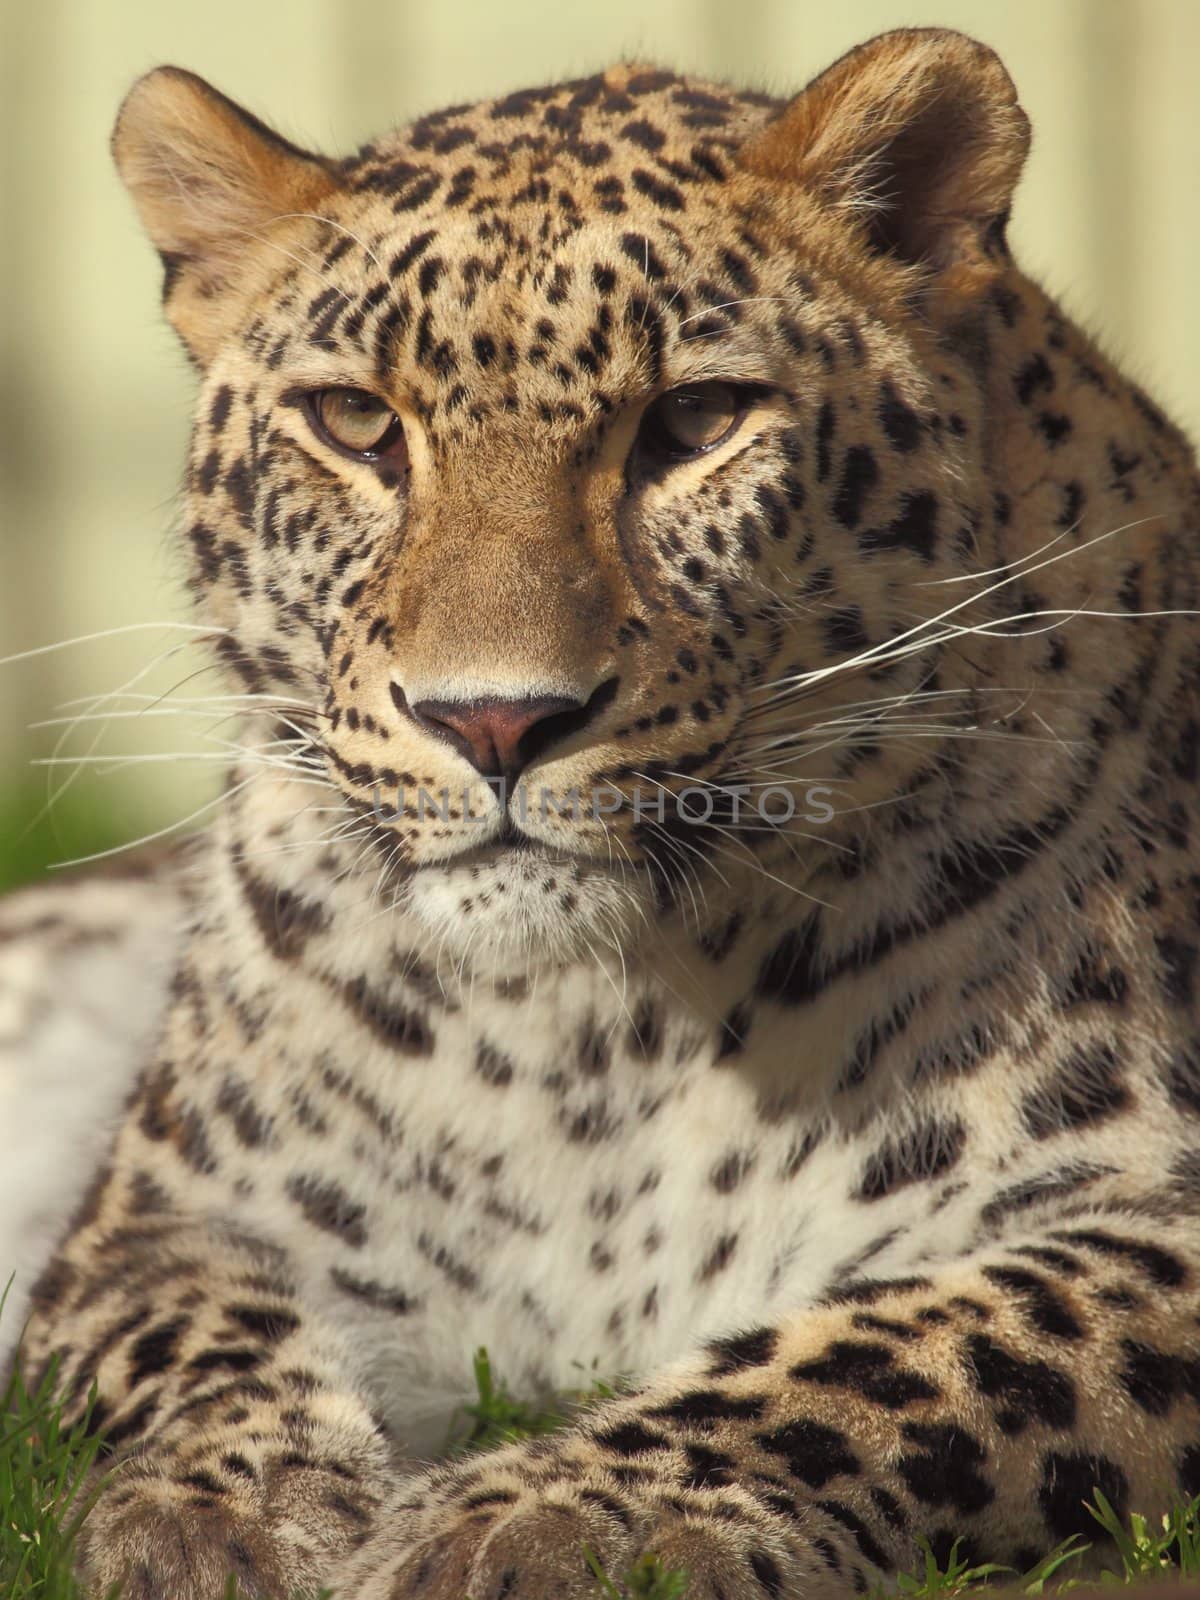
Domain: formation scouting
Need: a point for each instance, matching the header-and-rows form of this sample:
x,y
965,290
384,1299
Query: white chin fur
x,y
521,912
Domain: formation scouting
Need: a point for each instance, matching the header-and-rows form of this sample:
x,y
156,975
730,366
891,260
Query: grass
x,y
495,1417
1146,1550
45,1466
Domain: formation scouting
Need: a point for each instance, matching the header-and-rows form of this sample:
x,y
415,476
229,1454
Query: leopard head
x,y
580,462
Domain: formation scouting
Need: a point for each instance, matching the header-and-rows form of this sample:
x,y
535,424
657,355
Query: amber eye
x,y
357,422
689,421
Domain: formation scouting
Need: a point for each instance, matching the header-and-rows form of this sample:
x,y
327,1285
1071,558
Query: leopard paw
x,y
159,1537
552,1543
154,1544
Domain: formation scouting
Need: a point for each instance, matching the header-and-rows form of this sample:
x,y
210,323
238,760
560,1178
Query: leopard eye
x,y
357,422
696,416
689,421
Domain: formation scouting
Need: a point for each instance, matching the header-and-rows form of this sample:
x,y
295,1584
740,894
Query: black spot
x,y
1189,1472
457,1272
865,1291
914,528
192,1142
644,134
644,256
327,1206
1038,1300
239,486
492,1065
844,631
1183,1081
863,1537
707,1469
412,251
593,1051
1034,377
285,919
380,1296
155,1351
701,1406
204,1481
729,1172
269,1323
867,1322
826,422
944,1471
1093,979
1054,1185
1085,1089
813,1453
719,1257
250,1126
740,275
898,420
593,1125
869,1370
422,189
869,1044
753,1349
630,1439
791,973
765,1570
1178,959
225,1361
1054,427
115,1433
389,1021
890,1507
1185,760
1028,1391
1068,1481
591,154
645,1032
859,476
1072,505
1061,1261
923,1153
208,472
1152,1378
218,411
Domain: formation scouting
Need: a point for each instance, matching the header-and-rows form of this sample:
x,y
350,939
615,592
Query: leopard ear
x,y
918,138
209,181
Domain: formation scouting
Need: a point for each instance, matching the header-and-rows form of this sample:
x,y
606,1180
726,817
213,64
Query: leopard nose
x,y
501,737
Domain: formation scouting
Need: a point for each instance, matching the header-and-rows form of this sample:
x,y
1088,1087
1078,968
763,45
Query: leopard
x,y
704,891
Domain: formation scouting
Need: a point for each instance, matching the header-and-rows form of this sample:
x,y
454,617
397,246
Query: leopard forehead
x,y
493,236
623,134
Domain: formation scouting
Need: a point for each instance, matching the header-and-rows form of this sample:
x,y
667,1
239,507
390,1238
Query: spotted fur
x,y
860,1143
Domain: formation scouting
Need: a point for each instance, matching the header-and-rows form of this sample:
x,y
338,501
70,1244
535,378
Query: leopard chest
x,y
575,1219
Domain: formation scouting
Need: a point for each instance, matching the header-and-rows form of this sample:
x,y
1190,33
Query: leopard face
x,y
574,480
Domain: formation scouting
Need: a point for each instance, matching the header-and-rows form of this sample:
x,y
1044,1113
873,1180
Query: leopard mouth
x,y
509,841
511,845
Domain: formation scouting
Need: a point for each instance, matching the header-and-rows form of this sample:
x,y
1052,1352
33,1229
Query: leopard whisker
x,y
198,628
151,838
888,651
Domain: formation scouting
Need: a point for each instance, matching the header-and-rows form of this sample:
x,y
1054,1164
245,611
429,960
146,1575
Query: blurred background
x,y
94,395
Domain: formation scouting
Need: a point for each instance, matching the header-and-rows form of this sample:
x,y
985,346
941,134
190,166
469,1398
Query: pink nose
x,y
499,737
